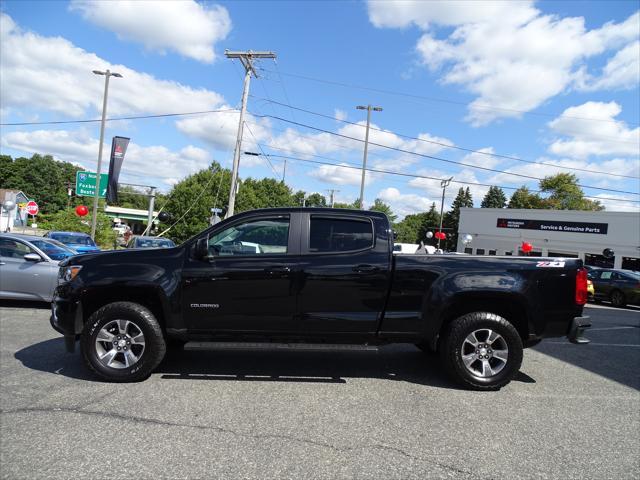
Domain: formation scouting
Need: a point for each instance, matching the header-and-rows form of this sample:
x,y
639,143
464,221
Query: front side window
x,y
339,234
265,236
13,249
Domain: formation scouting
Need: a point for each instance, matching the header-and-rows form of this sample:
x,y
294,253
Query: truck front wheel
x,y
122,342
481,350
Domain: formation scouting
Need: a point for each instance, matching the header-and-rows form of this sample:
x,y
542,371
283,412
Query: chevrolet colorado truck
x,y
315,275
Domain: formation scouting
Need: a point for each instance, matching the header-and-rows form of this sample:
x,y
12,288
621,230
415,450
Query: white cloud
x,y
404,204
482,158
620,205
594,138
78,147
342,174
55,75
433,189
403,13
621,71
510,54
187,27
340,114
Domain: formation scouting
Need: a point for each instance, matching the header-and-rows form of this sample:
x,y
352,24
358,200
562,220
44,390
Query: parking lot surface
x,y
573,412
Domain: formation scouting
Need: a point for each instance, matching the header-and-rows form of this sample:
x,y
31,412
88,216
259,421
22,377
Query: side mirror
x,y
202,248
33,257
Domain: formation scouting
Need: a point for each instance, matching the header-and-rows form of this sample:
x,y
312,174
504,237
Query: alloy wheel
x,y
120,344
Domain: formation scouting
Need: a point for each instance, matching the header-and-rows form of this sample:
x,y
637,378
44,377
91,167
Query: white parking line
x,y
595,344
609,328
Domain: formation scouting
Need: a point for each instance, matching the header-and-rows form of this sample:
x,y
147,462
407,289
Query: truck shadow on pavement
x,y
396,362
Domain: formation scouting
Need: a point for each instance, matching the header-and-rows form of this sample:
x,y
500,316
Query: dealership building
x,y
553,233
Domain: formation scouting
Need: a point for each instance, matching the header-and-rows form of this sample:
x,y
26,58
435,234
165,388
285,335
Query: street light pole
x,y
368,108
94,217
443,184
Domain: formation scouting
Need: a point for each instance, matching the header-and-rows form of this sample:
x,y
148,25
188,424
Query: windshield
x,y
154,243
53,249
69,239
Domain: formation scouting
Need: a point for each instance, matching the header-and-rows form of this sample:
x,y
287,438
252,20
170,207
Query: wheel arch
x,y
149,297
508,306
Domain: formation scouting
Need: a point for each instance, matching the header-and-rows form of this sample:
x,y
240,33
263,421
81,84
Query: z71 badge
x,y
547,264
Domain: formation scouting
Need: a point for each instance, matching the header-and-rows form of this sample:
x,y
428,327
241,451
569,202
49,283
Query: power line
x,y
413,175
263,152
436,158
443,100
447,145
115,119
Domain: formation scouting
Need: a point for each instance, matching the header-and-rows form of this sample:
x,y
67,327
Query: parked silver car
x,y
29,266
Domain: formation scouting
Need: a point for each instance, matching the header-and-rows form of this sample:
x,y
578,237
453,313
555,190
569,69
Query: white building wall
x,y
623,232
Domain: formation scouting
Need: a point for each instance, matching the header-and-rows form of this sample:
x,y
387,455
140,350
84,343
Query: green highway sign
x,y
86,184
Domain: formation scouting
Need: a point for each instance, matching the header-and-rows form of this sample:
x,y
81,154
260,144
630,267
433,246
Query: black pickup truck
x,y
315,276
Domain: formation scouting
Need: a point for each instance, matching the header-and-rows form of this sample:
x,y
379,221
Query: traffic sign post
x,y
86,184
32,208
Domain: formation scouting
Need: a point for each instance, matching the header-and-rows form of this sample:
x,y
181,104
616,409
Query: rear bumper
x,y
578,327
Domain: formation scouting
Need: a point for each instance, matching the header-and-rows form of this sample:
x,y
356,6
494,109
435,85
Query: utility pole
x,y
368,108
331,192
443,184
94,218
247,62
152,200
284,170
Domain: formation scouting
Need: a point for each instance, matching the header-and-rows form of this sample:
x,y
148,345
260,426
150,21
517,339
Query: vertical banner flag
x,y
118,149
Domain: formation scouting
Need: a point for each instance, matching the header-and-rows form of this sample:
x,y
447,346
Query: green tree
x,y
452,217
41,178
495,198
564,193
190,201
523,198
68,220
380,206
264,193
130,197
316,200
414,228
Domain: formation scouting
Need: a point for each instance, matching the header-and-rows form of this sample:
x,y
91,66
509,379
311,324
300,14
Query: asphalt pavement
x,y
573,412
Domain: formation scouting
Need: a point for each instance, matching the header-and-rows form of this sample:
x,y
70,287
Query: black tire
x,y
618,299
144,322
451,350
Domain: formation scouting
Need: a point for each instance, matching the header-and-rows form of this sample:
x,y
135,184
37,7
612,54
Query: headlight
x,y
69,273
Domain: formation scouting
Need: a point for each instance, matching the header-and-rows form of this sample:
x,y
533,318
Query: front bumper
x,y
578,326
66,318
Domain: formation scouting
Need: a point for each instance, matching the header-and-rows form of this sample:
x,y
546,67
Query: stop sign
x,y
32,208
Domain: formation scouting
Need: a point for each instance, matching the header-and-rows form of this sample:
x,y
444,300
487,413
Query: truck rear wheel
x,y
481,350
122,342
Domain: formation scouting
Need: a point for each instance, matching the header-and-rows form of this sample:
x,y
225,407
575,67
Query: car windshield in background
x,y
54,250
154,243
74,239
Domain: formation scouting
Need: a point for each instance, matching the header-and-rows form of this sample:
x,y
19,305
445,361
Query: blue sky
x,y
552,83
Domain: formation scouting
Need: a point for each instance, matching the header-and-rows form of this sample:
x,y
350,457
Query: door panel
x,y
22,279
345,274
248,283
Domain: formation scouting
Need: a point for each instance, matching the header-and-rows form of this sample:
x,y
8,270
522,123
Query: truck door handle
x,y
365,268
277,269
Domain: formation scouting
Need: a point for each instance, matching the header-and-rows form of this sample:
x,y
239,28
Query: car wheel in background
x,y
617,299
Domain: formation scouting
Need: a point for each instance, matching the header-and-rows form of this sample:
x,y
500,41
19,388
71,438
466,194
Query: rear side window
x,y
339,234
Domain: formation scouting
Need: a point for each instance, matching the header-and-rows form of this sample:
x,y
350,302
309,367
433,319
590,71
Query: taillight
x,y
581,287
